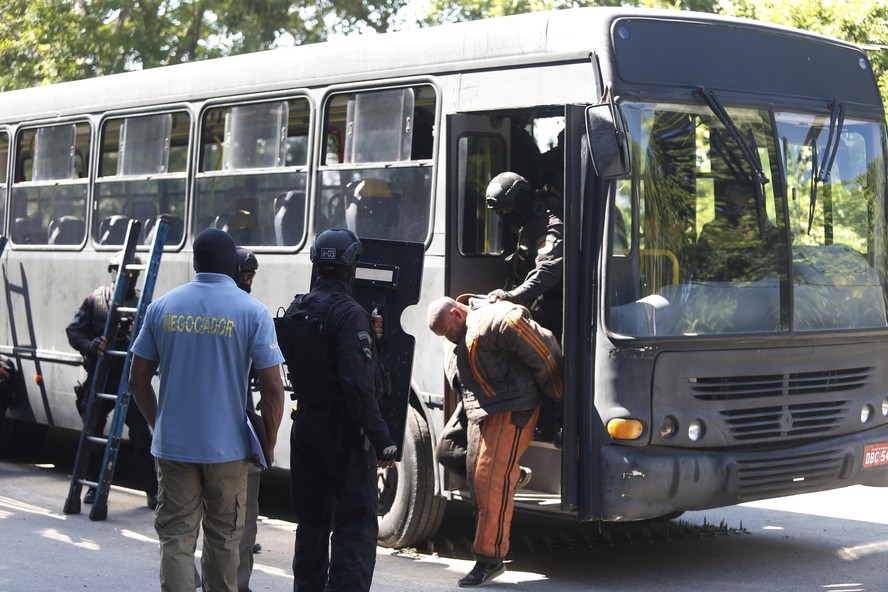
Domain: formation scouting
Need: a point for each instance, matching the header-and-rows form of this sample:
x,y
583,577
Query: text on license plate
x,y
875,455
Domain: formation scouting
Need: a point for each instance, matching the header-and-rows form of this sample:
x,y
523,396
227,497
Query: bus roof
x,y
497,42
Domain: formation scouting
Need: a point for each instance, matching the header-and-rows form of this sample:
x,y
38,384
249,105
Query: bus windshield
x,y
761,221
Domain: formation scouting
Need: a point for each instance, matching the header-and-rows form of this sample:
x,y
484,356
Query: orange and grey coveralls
x,y
502,368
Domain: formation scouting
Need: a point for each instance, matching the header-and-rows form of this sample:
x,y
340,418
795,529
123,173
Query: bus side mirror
x,y
607,140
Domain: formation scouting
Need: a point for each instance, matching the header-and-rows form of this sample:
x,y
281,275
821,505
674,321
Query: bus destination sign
x,y
875,455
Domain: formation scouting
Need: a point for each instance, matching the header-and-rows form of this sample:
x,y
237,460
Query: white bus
x,y
700,371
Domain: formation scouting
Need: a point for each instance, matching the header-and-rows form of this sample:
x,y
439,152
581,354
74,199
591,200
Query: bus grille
x,y
775,406
788,475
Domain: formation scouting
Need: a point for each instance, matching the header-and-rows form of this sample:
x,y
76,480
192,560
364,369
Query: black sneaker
x,y
90,496
256,548
482,573
523,478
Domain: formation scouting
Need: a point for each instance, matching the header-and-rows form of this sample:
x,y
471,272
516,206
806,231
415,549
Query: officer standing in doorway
x,y
338,437
537,263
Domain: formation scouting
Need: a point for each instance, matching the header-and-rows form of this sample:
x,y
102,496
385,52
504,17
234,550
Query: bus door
x,y
478,151
585,201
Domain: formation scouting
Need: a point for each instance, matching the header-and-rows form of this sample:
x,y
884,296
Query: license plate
x,y
875,455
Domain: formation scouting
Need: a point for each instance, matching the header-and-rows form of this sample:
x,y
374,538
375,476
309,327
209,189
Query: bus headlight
x,y
624,429
866,412
696,430
668,427
885,407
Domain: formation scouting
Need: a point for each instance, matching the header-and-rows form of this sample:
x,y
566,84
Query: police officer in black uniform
x,y
538,260
86,335
247,264
537,263
338,438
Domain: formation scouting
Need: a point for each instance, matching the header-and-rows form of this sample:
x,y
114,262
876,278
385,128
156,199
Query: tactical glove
x,y
95,347
499,295
389,453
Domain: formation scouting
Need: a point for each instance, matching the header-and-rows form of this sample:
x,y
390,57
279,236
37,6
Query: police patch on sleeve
x,y
366,342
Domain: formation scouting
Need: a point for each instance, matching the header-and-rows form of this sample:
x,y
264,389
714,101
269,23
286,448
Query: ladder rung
x,y
115,353
136,267
129,309
97,439
88,483
107,396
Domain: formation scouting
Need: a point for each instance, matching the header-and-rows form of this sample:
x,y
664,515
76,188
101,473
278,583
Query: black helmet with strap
x,y
336,251
247,264
246,260
509,195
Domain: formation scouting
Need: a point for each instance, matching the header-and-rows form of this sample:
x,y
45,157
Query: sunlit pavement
x,y
832,541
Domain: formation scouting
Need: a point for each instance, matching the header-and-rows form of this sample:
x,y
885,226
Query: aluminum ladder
x,y
99,387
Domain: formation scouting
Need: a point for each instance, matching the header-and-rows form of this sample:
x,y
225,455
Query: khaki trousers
x,y
194,495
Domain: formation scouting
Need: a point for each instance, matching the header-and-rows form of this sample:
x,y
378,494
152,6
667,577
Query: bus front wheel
x,y
409,510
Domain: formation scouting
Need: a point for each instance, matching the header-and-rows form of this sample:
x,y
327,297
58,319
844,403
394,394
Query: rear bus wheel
x,y
409,510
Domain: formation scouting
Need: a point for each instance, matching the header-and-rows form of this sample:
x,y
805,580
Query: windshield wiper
x,y
836,123
749,150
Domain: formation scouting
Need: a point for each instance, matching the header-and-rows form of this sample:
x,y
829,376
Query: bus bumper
x,y
643,483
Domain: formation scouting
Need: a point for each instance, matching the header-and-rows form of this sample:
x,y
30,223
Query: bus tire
x,y
409,510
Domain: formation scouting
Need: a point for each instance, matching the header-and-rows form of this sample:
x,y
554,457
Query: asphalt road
x,y
828,542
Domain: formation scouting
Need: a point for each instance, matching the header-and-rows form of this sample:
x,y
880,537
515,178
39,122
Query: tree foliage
x,y
864,22
45,41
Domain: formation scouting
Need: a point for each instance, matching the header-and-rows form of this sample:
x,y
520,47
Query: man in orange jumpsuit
x,y
502,364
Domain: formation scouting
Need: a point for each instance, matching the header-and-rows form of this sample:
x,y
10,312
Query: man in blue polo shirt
x,y
202,338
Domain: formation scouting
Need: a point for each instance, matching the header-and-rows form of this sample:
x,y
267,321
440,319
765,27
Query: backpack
x,y
304,340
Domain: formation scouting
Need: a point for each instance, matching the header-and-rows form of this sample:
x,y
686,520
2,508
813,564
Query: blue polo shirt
x,y
204,335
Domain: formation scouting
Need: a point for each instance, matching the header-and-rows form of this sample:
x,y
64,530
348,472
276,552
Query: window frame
x,y
84,128
100,179
304,168
426,161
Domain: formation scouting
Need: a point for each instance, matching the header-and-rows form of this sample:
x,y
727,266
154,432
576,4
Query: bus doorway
x,y
485,253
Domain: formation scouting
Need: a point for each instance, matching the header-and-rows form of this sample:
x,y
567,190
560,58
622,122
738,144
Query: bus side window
x,y
139,178
366,133
379,126
253,167
49,194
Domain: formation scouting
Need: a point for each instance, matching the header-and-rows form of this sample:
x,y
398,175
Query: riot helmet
x,y
509,195
247,264
336,252
114,263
